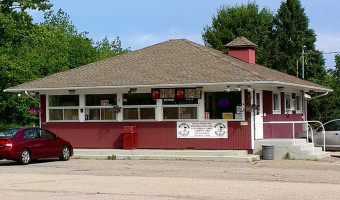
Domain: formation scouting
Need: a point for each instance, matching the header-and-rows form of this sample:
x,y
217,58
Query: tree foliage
x,y
327,108
30,51
291,33
245,20
280,38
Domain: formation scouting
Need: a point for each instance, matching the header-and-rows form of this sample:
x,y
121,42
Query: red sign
x,y
155,93
180,93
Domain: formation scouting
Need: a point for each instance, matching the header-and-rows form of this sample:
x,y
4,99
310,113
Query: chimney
x,y
243,49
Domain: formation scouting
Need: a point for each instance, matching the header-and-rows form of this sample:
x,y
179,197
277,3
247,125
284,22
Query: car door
x,y
51,144
34,143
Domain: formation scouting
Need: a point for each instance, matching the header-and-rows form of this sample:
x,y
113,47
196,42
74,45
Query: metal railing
x,y
301,122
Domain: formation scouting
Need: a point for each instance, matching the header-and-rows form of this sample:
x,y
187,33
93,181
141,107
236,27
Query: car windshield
x,y
8,133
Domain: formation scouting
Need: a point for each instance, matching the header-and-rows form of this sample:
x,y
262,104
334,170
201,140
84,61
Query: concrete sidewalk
x,y
162,154
335,153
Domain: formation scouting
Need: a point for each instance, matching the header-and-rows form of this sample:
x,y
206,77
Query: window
x,y
276,103
258,103
333,126
139,106
100,107
288,100
223,105
31,133
298,104
63,107
180,109
46,134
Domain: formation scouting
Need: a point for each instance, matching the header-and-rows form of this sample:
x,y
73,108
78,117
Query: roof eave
x,y
246,83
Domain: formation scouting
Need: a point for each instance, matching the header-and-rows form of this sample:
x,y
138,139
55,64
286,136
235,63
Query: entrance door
x,y
258,115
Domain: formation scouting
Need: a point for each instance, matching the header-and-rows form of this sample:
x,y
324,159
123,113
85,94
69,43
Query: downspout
x,y
321,95
38,102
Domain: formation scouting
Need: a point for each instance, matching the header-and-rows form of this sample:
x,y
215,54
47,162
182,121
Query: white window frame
x,y
296,104
223,120
292,103
99,107
139,107
63,108
279,103
100,113
179,106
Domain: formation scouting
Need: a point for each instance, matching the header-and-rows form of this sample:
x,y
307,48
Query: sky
x,y
141,23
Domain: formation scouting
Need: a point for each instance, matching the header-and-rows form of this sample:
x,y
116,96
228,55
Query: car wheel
x,y
65,153
25,157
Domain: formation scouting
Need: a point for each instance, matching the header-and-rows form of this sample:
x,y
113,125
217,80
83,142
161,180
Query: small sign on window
x,y
104,102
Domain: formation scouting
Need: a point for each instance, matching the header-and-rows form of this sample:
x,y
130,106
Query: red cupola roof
x,y
243,49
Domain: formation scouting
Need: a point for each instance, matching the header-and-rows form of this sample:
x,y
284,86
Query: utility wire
x,y
332,52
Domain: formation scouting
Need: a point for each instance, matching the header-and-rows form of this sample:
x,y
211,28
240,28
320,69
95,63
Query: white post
x,y
120,104
82,106
159,110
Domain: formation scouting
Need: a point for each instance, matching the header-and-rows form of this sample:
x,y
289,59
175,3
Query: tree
x,y
47,48
107,49
15,22
291,33
245,20
326,108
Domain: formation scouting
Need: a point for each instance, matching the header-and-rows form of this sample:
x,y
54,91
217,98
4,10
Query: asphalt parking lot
x,y
159,179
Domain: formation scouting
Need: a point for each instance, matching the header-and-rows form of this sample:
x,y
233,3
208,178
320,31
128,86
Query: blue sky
x,y
140,23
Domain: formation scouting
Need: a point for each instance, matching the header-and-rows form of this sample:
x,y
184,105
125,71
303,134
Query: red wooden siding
x,y
278,130
267,102
150,135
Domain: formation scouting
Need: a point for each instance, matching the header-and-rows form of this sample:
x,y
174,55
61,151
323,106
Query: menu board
x,y
167,93
176,93
192,93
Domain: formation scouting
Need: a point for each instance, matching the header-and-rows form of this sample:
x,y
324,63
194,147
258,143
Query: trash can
x,y
129,137
268,152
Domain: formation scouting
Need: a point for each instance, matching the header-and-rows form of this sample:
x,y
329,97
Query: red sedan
x,y
25,144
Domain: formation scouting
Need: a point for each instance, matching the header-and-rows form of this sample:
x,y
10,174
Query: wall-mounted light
x,y
72,91
132,90
81,110
237,89
280,88
227,89
249,89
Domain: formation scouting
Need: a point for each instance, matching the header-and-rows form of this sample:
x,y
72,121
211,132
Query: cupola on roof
x,y
240,42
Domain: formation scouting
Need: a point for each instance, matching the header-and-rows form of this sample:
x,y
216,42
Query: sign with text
x,y
202,130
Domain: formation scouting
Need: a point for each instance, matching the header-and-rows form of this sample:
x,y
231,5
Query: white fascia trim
x,y
173,85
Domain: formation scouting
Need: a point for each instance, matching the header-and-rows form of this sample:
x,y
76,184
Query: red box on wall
x,y
129,137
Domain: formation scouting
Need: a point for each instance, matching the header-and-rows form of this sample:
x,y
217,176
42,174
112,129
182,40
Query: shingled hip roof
x,y
174,62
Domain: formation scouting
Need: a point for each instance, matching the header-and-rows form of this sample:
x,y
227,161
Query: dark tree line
x,y
29,51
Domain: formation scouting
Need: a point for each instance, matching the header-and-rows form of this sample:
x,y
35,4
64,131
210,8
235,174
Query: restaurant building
x,y
178,94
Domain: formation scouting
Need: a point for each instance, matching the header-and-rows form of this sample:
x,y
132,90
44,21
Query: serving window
x,y
100,107
139,106
180,109
63,107
223,105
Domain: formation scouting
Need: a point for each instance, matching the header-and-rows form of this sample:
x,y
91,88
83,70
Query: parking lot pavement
x,y
159,179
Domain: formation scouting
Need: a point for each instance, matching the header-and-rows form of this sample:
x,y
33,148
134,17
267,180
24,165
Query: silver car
x,y
332,135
